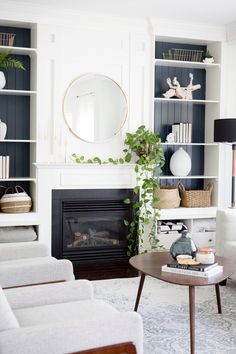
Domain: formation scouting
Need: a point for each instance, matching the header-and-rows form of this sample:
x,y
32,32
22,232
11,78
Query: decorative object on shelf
x,y
168,197
205,256
183,54
18,202
225,131
7,39
146,145
182,132
196,198
170,138
7,62
180,163
208,58
184,245
3,129
175,90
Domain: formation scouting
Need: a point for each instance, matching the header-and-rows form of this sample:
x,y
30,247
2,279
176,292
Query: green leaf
x,y
126,201
126,222
128,157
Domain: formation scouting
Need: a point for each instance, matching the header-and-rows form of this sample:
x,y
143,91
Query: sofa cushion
x,y
7,317
47,294
85,311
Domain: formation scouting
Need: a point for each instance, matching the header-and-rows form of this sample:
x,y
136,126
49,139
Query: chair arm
x,y
48,294
60,338
18,250
225,228
122,348
36,270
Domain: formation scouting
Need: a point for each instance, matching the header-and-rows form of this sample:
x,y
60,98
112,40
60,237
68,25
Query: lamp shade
x,y
225,130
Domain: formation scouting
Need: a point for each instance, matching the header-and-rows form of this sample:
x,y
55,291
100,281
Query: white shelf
x,y
189,177
186,64
16,179
19,50
19,219
17,141
178,100
17,92
187,213
194,144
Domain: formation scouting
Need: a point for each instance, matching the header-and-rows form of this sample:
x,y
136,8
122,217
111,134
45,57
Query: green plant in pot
x,y
144,146
7,62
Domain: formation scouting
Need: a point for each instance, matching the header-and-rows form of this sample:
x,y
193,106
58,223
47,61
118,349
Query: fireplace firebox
x,y
88,225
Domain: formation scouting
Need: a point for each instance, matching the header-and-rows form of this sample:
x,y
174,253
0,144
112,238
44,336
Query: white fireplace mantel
x,y
75,176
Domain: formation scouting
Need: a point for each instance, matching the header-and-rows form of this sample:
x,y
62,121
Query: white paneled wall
x,y
65,53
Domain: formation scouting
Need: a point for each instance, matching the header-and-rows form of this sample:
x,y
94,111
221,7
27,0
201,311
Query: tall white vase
x,y
180,163
2,80
3,130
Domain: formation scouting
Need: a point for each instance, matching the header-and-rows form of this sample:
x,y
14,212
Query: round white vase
x,y
180,163
2,80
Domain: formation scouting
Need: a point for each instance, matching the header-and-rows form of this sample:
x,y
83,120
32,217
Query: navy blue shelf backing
x,y
168,113
15,112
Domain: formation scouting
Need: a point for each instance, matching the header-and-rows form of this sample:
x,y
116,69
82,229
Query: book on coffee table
x,y
205,274
198,267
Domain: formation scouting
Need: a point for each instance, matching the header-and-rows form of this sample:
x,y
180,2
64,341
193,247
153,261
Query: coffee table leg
x,y
140,288
192,318
217,287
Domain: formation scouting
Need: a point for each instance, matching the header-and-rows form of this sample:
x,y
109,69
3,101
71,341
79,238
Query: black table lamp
x,y
225,132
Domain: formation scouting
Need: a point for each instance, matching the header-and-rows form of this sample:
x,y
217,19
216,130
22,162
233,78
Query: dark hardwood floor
x,y
105,270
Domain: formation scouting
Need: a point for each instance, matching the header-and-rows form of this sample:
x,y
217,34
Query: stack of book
x,y
182,132
4,166
200,270
170,227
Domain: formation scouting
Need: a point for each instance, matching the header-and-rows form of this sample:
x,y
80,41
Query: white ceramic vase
x,y
3,130
2,80
180,163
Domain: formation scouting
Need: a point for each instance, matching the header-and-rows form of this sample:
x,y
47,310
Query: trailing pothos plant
x,y
144,146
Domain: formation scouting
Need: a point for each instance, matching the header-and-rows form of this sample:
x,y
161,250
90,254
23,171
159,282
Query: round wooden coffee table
x,y
151,263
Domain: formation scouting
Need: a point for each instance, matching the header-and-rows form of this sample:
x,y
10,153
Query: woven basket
x,y
19,202
195,198
168,198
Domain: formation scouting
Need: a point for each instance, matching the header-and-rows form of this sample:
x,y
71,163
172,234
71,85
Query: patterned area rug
x,y
164,309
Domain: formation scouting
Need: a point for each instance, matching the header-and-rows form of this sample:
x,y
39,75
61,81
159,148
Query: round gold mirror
x,y
95,108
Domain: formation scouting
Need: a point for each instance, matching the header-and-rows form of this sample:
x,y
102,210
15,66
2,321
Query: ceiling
x,y
209,11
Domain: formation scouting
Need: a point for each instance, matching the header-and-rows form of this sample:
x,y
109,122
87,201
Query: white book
x,y
4,167
0,166
211,272
7,166
180,132
189,132
175,131
186,133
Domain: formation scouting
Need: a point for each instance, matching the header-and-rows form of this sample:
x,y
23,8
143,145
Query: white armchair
x,y
226,234
55,319
25,263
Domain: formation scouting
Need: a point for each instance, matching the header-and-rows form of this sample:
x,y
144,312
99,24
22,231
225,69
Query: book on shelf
x,y
4,166
175,131
196,268
206,274
189,132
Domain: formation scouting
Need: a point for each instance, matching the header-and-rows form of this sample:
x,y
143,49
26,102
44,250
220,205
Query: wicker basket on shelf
x,y
195,198
168,197
7,39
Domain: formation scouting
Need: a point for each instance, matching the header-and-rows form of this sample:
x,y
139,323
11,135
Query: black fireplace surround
x,y
88,224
